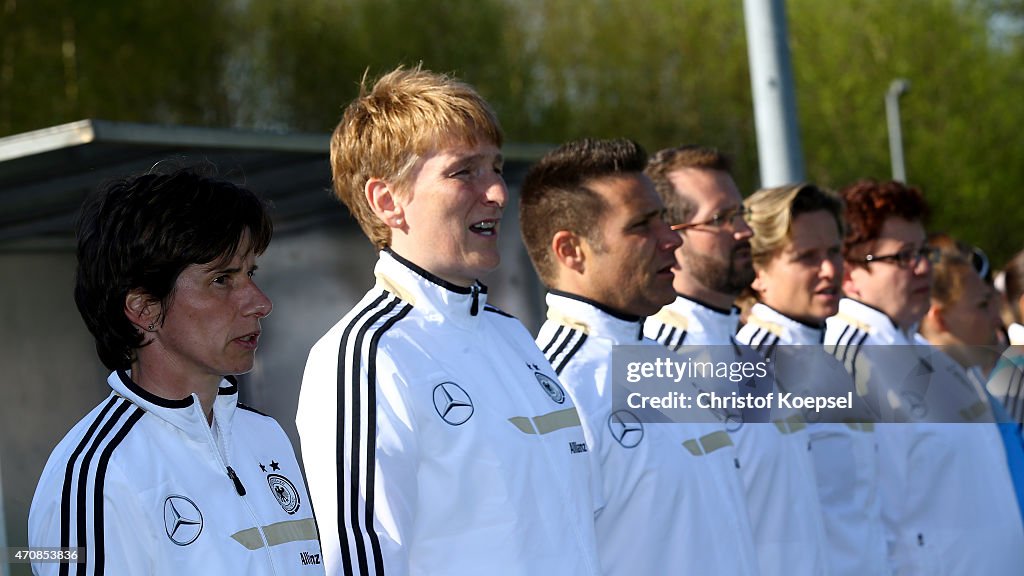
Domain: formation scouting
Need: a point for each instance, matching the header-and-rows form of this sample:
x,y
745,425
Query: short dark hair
x,y
554,195
869,204
680,208
141,232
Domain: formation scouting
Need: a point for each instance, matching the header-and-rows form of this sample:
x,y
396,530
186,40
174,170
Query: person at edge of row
x,y
1013,281
593,227
961,302
713,267
1007,378
170,474
798,262
947,501
436,436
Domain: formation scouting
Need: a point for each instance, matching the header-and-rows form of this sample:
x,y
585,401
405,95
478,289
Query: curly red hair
x,y
869,203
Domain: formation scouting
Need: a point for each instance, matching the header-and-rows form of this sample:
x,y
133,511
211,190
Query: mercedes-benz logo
x,y
182,520
551,387
626,428
452,403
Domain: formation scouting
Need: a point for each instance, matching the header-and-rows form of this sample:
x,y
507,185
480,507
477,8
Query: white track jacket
x,y
672,497
147,487
437,439
948,504
776,467
844,454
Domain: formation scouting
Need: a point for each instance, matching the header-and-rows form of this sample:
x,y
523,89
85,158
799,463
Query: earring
x,y
399,221
150,327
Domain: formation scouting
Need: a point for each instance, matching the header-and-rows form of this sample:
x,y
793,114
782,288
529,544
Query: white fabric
x,y
500,487
844,454
136,464
1016,334
776,466
666,510
947,500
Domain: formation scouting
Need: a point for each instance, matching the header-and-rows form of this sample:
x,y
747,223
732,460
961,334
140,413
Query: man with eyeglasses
x,y
713,266
947,503
669,500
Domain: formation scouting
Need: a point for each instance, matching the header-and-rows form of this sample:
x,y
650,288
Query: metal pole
x,y
771,79
897,88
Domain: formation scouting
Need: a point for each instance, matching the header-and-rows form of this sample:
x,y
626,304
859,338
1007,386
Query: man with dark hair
x,y
946,498
713,266
170,474
670,498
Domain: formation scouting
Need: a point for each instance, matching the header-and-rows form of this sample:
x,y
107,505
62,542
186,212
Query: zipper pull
x,y
238,483
475,308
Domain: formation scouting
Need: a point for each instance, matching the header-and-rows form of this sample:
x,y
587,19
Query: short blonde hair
x,y
407,114
774,209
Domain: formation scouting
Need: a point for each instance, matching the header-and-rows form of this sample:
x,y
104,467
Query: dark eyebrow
x,y
660,212
234,270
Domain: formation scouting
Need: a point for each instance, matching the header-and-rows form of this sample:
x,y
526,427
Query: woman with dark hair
x,y
170,474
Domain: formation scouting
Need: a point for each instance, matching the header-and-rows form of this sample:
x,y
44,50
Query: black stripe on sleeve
x,y
755,338
856,352
839,341
566,338
81,496
101,474
355,381
554,339
343,384
571,353
679,342
371,432
69,470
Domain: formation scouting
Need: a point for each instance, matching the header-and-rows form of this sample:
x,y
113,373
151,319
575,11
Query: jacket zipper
x,y
239,488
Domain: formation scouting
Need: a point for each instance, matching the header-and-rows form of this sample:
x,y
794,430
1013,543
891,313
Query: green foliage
x,y
959,117
665,72
140,60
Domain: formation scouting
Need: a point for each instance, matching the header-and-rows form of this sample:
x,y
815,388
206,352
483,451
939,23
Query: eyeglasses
x,y
908,258
722,219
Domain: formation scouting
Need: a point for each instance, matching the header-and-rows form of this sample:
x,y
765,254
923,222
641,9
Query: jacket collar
x,y
706,324
882,327
788,330
435,297
594,318
185,414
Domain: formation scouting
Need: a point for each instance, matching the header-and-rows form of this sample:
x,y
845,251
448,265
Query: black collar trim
x,y
153,398
436,279
726,311
230,389
609,311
